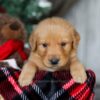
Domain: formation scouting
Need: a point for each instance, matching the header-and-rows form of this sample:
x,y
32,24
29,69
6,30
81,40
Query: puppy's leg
x,y
1,98
78,71
27,74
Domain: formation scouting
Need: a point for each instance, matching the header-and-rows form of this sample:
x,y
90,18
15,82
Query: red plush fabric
x,y
46,86
11,46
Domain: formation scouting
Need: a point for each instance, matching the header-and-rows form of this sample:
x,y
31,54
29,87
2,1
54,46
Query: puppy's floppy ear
x,y
76,39
75,43
33,42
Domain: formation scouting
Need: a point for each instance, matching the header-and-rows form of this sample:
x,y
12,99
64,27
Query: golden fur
x,y
54,38
1,98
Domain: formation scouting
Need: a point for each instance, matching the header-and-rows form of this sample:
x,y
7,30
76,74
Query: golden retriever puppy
x,y
53,48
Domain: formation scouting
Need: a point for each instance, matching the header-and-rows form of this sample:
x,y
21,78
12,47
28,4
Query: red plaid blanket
x,y
46,86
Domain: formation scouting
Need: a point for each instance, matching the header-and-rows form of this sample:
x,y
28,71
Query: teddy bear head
x,y
11,28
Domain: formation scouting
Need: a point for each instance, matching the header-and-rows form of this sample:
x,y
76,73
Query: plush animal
x,y
12,38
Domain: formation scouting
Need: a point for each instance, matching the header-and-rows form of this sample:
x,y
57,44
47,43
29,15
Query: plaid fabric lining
x,y
46,86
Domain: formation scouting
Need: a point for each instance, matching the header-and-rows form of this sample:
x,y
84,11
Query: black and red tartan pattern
x,y
46,86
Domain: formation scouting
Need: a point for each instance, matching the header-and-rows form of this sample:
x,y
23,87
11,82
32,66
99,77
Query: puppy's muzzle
x,y
54,61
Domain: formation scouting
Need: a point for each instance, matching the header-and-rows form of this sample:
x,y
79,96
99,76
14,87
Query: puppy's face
x,y
54,44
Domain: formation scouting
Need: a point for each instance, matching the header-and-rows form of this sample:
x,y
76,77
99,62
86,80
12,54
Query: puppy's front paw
x,y
27,74
24,81
1,98
26,78
79,76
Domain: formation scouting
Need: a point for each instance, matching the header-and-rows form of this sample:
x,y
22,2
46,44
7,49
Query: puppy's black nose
x,y
54,61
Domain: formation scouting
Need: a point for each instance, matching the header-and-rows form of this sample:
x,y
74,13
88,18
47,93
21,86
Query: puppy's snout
x,y
54,61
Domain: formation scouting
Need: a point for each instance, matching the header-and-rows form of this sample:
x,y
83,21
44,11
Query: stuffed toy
x,y
12,38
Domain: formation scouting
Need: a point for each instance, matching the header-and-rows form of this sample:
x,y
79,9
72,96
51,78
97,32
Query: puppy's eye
x,y
45,45
63,44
